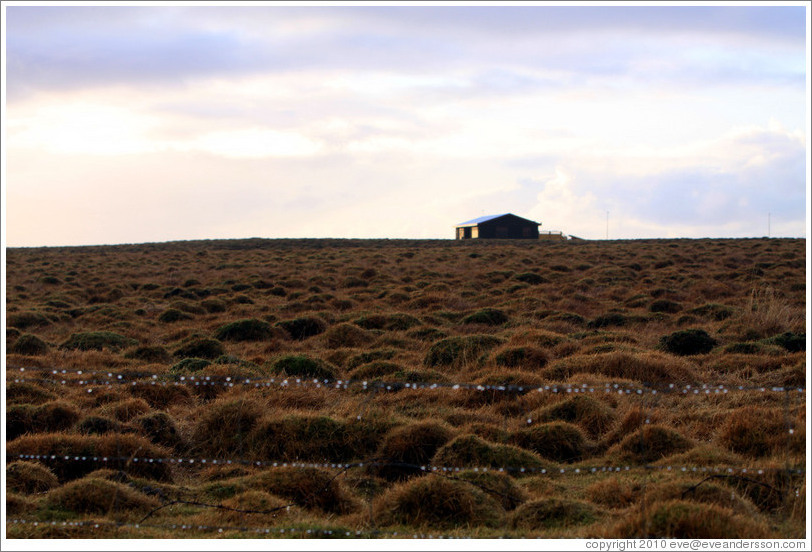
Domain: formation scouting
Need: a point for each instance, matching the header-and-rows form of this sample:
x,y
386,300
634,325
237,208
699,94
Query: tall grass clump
x,y
49,417
97,341
488,317
409,447
648,367
713,311
22,392
94,451
297,437
792,342
756,432
170,316
223,427
307,487
160,428
433,501
652,443
388,322
767,313
470,450
304,366
498,485
558,441
346,335
29,345
28,319
149,353
590,414
458,351
303,327
29,477
521,357
688,342
93,495
200,348
549,513
249,329
98,425
680,519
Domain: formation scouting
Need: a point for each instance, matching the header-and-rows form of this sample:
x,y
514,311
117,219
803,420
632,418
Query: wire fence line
x,y
111,378
649,393
427,468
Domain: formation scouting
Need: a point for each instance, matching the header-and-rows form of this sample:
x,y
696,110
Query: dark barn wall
x,y
509,227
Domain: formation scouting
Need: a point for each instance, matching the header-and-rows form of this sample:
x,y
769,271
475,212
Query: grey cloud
x,y
56,47
63,60
706,195
773,22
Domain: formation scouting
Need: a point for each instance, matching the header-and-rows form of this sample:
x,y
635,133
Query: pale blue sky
x,y
134,124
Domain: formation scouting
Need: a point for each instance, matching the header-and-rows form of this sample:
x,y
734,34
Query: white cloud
x,y
561,207
82,128
251,143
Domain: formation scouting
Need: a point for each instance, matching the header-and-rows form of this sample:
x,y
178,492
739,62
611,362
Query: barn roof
x,y
486,218
476,221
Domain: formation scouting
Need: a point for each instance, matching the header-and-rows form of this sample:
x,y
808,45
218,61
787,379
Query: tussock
x,y
223,427
117,448
470,450
388,322
295,437
346,335
93,495
29,477
433,501
558,441
643,367
547,513
307,487
413,444
49,417
499,486
758,432
456,352
680,519
651,443
590,414
126,410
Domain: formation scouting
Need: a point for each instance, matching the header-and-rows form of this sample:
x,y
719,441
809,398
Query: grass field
x,y
387,389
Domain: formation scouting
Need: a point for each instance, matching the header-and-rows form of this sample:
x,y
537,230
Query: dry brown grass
x,y
91,451
414,445
436,502
91,495
759,432
493,314
29,477
680,519
768,313
648,367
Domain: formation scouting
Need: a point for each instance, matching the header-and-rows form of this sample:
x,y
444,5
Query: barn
x,y
507,226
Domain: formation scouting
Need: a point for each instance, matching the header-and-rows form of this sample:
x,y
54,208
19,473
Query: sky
x,y
145,123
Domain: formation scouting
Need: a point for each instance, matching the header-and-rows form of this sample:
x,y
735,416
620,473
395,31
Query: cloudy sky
x,y
155,123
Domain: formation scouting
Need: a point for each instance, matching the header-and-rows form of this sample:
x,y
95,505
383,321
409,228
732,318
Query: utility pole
x,y
607,225
768,223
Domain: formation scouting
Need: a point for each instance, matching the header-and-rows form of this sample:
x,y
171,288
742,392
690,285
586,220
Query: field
x,y
400,389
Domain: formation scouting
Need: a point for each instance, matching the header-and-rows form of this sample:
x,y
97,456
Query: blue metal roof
x,y
476,221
